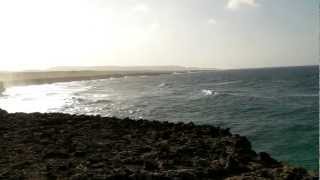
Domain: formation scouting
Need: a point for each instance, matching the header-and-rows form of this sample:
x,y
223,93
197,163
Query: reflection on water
x,y
36,98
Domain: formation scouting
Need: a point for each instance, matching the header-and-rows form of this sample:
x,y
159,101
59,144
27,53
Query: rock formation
x,y
62,146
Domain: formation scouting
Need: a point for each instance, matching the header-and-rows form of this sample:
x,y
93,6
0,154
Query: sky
x,y
39,34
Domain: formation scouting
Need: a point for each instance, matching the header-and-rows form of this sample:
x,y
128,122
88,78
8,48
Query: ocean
x,y
276,108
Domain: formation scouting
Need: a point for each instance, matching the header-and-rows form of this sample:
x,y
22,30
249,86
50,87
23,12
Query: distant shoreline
x,y
45,77
64,75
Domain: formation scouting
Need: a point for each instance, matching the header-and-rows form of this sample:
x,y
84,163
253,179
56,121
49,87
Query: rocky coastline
x,y
63,146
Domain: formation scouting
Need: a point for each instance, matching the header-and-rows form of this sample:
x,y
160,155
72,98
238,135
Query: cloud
x,y
235,4
212,21
141,8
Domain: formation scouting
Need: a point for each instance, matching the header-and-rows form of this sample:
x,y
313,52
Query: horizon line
x,y
50,69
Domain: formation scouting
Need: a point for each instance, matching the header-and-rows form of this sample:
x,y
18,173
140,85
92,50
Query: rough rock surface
x,y
62,146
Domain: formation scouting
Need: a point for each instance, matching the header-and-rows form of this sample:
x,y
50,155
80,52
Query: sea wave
x,y
251,96
292,112
162,85
78,99
208,92
243,94
227,82
100,101
176,73
303,95
90,101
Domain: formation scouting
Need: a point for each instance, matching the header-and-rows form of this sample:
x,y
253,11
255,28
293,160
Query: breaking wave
x,y
162,85
208,92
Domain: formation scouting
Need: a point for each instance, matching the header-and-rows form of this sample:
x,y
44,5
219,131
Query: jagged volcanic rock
x,y
62,146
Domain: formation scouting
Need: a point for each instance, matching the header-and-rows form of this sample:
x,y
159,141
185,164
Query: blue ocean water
x,y
276,108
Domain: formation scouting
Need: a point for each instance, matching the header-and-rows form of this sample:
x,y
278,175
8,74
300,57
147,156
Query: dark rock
x,y
150,165
267,160
3,113
62,146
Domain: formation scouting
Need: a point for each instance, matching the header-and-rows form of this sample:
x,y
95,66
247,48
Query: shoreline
x,y
65,146
47,77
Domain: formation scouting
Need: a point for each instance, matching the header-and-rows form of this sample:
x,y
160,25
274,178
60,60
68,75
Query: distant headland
x,y
76,73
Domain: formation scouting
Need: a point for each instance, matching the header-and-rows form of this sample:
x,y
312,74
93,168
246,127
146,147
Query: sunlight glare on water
x,y
35,98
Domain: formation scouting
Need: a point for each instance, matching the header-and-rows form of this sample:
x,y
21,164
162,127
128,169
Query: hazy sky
x,y
204,33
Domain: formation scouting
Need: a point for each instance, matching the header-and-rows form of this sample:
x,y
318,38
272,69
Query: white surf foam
x,y
162,85
208,92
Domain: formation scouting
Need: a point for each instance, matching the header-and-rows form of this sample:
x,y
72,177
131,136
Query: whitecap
x,y
227,82
208,92
176,73
162,85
